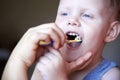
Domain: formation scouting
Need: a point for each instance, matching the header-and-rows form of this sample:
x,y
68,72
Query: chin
x,y
70,55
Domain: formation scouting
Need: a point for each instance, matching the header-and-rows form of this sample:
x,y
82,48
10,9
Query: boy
x,y
94,24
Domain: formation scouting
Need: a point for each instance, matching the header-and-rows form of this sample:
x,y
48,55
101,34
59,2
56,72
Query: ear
x,y
113,31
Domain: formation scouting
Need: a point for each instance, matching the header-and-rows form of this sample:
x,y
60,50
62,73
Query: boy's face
x,y
87,18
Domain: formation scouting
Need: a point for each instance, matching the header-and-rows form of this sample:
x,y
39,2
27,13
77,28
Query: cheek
x,y
58,20
60,24
93,38
95,43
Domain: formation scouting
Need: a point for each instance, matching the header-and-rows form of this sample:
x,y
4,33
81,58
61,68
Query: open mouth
x,y
73,39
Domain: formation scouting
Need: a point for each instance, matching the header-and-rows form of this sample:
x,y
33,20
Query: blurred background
x,y
16,16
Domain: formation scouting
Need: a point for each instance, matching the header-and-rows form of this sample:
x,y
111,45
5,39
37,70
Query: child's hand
x,y
52,66
68,67
28,49
80,63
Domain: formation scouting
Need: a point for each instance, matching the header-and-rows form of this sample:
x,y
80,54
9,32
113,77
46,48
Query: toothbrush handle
x,y
43,43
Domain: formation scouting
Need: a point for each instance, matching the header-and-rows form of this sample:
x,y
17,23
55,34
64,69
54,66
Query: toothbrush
x,y
43,43
72,41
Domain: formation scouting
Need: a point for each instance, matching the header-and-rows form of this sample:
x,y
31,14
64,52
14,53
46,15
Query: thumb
x,y
79,63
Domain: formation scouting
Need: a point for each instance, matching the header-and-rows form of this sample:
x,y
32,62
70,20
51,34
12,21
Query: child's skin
x,y
96,25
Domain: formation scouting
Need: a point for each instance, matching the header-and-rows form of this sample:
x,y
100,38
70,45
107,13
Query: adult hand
x,y
80,63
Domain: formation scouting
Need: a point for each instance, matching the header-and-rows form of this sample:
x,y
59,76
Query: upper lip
x,y
72,32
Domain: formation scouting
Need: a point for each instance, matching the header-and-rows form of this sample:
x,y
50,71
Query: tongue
x,y
74,45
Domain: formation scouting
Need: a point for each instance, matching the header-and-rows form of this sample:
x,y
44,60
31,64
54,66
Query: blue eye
x,y
86,15
64,14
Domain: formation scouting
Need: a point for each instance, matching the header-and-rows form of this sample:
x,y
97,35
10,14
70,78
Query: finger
x,y
42,71
44,60
34,36
79,63
55,56
51,53
86,63
53,36
55,52
58,31
61,33
50,56
36,75
40,67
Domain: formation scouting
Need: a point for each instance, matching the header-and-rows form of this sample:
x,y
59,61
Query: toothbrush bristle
x,y
73,41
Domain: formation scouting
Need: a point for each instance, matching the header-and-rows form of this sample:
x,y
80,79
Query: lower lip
x,y
73,46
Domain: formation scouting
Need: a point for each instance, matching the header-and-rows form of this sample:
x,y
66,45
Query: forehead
x,y
76,4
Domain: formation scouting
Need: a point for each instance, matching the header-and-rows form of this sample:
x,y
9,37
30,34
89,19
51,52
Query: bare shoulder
x,y
112,74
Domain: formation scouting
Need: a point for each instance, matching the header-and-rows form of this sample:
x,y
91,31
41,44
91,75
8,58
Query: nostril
x,y
73,22
69,23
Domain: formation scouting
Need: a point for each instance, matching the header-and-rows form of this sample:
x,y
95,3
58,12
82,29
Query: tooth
x,y
73,34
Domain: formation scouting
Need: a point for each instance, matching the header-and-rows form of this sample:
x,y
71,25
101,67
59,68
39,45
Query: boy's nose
x,y
73,22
